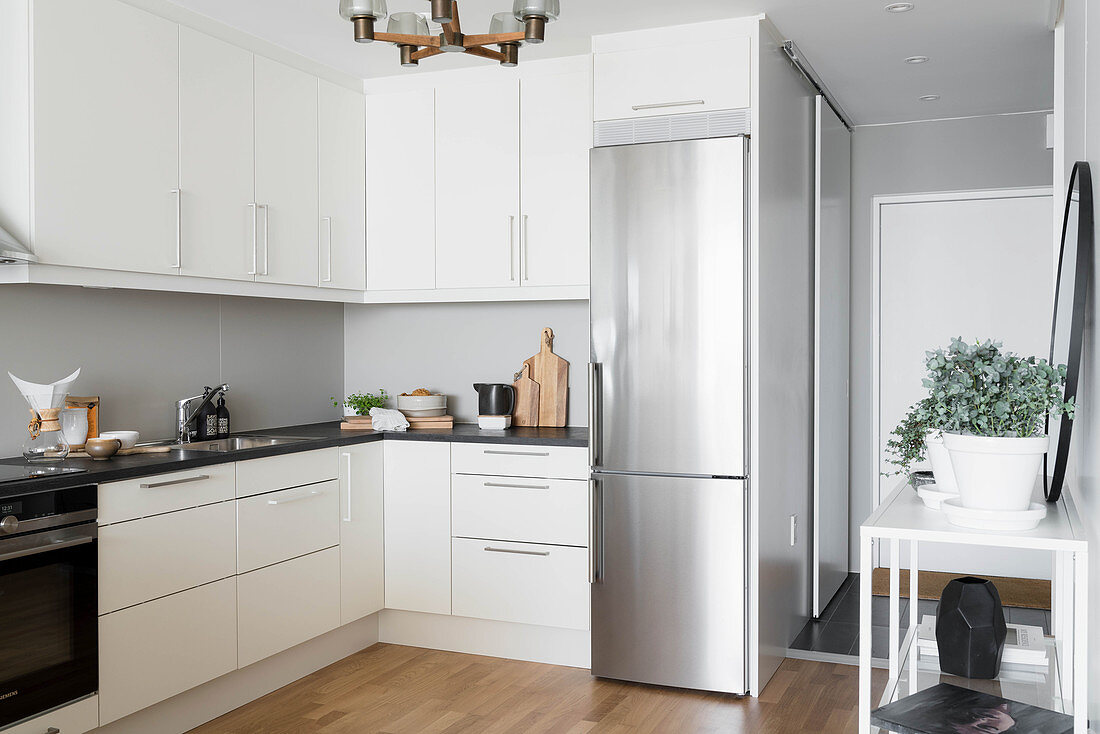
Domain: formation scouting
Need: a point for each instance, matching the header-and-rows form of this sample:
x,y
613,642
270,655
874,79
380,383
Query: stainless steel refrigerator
x,y
668,413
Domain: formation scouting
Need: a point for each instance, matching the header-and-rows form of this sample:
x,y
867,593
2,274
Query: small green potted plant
x,y
918,436
361,403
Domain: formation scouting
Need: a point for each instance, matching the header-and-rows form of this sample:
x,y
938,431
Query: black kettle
x,y
495,399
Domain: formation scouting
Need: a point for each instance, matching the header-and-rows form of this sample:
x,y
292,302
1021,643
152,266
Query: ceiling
x,y
985,56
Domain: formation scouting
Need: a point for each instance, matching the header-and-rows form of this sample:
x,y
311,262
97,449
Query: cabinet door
x,y
401,191
671,80
418,526
153,651
477,185
106,147
556,130
286,173
343,194
362,547
278,526
217,164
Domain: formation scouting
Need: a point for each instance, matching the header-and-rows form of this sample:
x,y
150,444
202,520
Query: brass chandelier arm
x,y
425,53
490,39
407,40
485,53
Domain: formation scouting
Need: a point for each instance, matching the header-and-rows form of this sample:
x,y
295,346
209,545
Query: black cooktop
x,y
19,472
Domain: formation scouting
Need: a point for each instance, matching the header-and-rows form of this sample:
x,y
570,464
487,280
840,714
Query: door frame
x,y
877,202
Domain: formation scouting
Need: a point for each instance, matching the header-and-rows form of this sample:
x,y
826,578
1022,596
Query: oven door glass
x,y
48,630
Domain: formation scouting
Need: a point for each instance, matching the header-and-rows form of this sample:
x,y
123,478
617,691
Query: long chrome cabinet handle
x,y
347,460
267,232
255,240
526,247
595,520
662,105
516,453
595,408
328,246
174,482
491,549
512,248
178,193
299,498
516,486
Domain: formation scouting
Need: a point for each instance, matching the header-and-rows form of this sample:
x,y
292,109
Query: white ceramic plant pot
x,y
940,460
995,473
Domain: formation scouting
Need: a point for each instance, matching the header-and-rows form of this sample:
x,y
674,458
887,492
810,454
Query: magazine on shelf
x,y
1024,645
948,709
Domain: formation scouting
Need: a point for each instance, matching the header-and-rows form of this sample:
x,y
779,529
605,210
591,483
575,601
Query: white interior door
x,y
832,240
976,265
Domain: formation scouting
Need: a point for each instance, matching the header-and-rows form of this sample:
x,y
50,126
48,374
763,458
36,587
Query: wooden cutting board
x,y
551,372
527,399
363,422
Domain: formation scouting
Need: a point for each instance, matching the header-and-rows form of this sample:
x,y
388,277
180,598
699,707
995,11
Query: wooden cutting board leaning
x,y
551,372
526,412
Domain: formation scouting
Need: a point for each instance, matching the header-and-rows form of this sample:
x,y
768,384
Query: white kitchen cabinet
x,y
343,193
418,526
659,80
105,132
556,135
76,718
145,559
362,544
289,470
217,162
278,526
153,651
286,174
521,582
520,460
130,499
553,511
286,604
477,184
401,191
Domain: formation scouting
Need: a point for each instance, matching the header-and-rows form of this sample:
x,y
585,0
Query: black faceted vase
x,y
970,628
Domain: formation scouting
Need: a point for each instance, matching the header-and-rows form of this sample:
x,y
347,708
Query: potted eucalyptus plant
x,y
992,407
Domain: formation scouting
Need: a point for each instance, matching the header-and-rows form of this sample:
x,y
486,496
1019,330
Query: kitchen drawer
x,y
528,510
144,559
153,651
290,470
286,604
281,525
76,718
504,460
134,498
520,582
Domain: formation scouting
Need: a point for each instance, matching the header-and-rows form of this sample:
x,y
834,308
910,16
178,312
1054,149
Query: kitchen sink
x,y
237,443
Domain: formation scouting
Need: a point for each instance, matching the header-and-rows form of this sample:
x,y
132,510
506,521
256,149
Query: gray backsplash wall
x,y
447,347
142,351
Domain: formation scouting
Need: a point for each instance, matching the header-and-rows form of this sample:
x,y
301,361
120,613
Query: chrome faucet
x,y
184,421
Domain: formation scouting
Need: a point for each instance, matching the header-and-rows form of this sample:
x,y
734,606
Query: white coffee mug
x,y
74,424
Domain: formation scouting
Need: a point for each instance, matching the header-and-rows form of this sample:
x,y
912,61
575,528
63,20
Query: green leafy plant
x,y
906,446
361,403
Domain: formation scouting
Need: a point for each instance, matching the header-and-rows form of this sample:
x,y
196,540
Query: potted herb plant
x,y
919,435
992,407
361,403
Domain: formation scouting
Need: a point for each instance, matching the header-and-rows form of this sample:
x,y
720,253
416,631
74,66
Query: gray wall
x,y
951,155
142,351
447,347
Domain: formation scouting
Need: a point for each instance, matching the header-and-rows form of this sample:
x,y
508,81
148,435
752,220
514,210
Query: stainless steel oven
x,y
48,606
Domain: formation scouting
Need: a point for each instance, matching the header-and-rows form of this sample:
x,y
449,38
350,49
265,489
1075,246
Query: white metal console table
x,y
1063,686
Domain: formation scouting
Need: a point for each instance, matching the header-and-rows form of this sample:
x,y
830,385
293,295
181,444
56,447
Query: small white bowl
x,y
422,406
128,439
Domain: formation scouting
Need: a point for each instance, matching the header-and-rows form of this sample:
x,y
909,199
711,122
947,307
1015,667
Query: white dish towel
x,y
383,419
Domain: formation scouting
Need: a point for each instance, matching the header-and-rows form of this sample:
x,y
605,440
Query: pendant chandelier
x,y
409,31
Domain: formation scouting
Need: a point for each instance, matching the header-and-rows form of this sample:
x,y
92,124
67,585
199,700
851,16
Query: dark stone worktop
x,y
320,435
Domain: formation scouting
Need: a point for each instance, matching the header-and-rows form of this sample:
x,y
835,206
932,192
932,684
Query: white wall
x,y
140,352
952,155
447,347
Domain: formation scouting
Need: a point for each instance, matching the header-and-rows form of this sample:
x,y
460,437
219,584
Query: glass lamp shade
x,y
505,23
350,9
545,9
408,24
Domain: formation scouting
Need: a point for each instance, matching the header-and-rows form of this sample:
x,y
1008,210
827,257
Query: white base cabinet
x,y
278,526
76,718
362,547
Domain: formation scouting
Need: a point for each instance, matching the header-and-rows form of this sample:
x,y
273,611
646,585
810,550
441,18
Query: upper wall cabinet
x,y
342,146
106,96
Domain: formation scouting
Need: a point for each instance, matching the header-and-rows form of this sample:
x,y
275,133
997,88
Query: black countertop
x,y
318,435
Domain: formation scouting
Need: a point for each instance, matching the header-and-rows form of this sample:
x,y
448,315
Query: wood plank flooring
x,y
390,689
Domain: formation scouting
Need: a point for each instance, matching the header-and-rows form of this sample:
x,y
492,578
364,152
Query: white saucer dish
x,y
966,517
128,439
494,422
933,496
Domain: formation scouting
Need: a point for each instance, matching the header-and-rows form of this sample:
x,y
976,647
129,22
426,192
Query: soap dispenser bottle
x,y
223,418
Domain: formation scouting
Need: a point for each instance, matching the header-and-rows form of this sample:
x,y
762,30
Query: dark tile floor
x,y
837,630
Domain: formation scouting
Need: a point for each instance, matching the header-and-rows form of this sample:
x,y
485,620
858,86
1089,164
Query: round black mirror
x,y
1068,323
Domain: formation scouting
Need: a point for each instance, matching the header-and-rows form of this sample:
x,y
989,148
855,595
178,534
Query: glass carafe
x,y
45,440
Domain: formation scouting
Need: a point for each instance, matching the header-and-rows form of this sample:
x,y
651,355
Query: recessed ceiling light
x,y
916,59
899,7
928,97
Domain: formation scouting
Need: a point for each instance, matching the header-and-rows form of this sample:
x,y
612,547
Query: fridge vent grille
x,y
723,124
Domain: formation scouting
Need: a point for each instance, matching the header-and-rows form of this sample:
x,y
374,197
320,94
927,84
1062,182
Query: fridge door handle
x,y
595,409
595,527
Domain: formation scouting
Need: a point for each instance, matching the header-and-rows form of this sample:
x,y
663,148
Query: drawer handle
x,y
173,482
517,486
517,453
53,730
491,549
660,105
299,498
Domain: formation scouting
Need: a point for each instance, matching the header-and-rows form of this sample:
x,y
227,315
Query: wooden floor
x,y
389,689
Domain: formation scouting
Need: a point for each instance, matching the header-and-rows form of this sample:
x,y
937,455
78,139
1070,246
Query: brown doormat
x,y
1028,593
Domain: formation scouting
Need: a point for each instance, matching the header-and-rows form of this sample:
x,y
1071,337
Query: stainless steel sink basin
x,y
237,443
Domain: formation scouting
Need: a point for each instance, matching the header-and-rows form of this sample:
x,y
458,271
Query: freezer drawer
x,y
668,603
